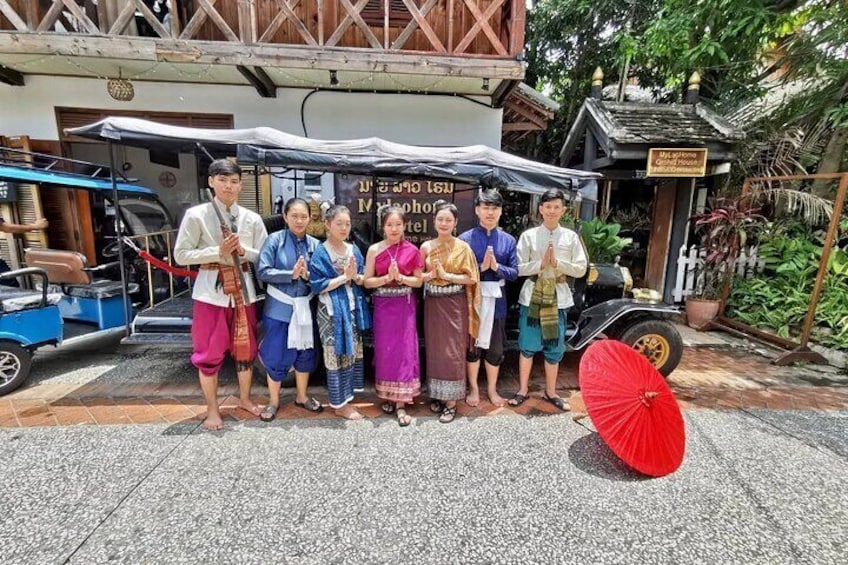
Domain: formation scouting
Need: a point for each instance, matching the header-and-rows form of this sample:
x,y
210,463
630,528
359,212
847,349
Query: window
x,y
373,13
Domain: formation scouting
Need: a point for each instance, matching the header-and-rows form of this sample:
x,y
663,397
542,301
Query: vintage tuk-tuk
x,y
602,309
59,297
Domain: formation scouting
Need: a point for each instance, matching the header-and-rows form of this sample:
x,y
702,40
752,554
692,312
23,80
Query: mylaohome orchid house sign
x,y
677,162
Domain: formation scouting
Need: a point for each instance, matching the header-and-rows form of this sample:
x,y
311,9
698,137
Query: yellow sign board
x,y
677,162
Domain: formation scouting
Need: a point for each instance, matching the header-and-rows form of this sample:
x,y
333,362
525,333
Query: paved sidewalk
x,y
159,387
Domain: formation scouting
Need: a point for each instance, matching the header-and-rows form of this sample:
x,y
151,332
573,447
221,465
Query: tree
x,y
734,44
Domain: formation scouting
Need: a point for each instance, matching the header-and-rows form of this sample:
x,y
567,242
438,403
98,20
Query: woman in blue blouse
x,y
288,342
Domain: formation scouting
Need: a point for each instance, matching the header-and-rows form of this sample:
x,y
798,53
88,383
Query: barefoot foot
x,y
249,406
348,412
473,398
213,422
496,399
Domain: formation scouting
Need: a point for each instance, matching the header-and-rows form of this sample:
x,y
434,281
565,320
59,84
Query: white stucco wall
x,y
404,118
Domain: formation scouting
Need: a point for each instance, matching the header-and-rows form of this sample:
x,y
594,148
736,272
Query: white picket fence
x,y
690,262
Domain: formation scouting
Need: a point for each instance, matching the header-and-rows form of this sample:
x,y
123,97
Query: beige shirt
x,y
570,255
199,240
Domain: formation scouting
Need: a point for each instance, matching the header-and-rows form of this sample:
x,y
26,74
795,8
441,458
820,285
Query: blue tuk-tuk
x,y
58,298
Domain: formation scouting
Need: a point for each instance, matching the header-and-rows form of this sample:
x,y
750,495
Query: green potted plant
x,y
603,244
723,231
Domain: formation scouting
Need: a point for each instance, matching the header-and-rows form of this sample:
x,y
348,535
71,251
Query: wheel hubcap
x,y
10,366
655,347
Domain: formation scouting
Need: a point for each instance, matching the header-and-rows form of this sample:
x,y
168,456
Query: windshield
x,y
144,217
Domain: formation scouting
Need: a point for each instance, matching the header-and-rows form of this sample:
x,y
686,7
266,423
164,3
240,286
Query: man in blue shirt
x,y
498,263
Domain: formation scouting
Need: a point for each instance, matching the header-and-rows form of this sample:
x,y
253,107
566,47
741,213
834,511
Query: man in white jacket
x,y
547,255
220,316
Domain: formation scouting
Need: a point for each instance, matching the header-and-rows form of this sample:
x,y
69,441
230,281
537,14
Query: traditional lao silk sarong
x,y
451,320
342,313
396,361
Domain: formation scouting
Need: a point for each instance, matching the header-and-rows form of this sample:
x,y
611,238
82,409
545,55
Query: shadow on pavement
x,y
591,455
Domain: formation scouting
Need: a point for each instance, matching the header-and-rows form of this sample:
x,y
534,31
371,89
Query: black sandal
x,y
448,414
517,399
437,406
311,404
560,403
388,407
268,412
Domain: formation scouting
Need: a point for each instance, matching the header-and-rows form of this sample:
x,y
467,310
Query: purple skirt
x,y
396,362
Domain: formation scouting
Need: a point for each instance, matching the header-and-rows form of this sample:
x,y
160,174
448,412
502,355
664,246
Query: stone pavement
x,y
758,487
147,386
762,481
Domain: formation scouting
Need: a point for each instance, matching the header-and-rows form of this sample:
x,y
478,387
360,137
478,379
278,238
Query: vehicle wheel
x,y
15,363
657,340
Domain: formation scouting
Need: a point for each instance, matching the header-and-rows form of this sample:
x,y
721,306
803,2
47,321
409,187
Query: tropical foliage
x,y
734,44
603,244
724,231
778,298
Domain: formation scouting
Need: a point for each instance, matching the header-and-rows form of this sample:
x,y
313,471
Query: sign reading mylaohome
x,y
677,162
415,197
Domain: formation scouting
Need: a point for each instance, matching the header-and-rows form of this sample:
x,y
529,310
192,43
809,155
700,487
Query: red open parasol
x,y
632,408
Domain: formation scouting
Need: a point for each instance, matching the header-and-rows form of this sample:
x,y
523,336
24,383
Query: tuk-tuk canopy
x,y
68,180
474,164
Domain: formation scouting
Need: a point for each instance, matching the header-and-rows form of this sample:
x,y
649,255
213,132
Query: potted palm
x,y
724,230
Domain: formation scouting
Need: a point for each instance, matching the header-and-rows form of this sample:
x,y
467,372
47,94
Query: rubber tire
x,y
25,360
631,334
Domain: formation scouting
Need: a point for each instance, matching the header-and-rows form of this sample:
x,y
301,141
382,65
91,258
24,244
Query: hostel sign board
x,y
415,197
677,162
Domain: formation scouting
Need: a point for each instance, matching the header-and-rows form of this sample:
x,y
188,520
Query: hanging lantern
x,y
120,88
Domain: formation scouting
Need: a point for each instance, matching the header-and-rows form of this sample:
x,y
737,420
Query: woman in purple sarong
x,y
393,268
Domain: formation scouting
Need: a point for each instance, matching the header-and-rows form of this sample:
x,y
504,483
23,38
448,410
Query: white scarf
x,y
300,327
490,291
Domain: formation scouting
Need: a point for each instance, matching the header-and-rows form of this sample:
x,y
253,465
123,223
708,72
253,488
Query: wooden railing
x,y
446,27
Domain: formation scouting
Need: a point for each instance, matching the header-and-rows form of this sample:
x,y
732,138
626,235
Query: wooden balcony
x,y
455,38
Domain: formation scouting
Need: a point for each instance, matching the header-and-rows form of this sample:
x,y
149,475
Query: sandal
x,y
517,399
403,418
311,404
388,407
560,403
448,414
268,412
437,406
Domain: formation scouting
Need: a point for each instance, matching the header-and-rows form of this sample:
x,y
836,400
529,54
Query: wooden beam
x,y
260,80
353,16
194,24
419,21
123,19
481,23
247,20
282,56
151,19
218,20
521,126
502,92
517,25
81,17
287,13
13,16
51,16
529,116
11,76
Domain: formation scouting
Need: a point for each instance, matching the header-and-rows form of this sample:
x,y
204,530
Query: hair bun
x,y
439,202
